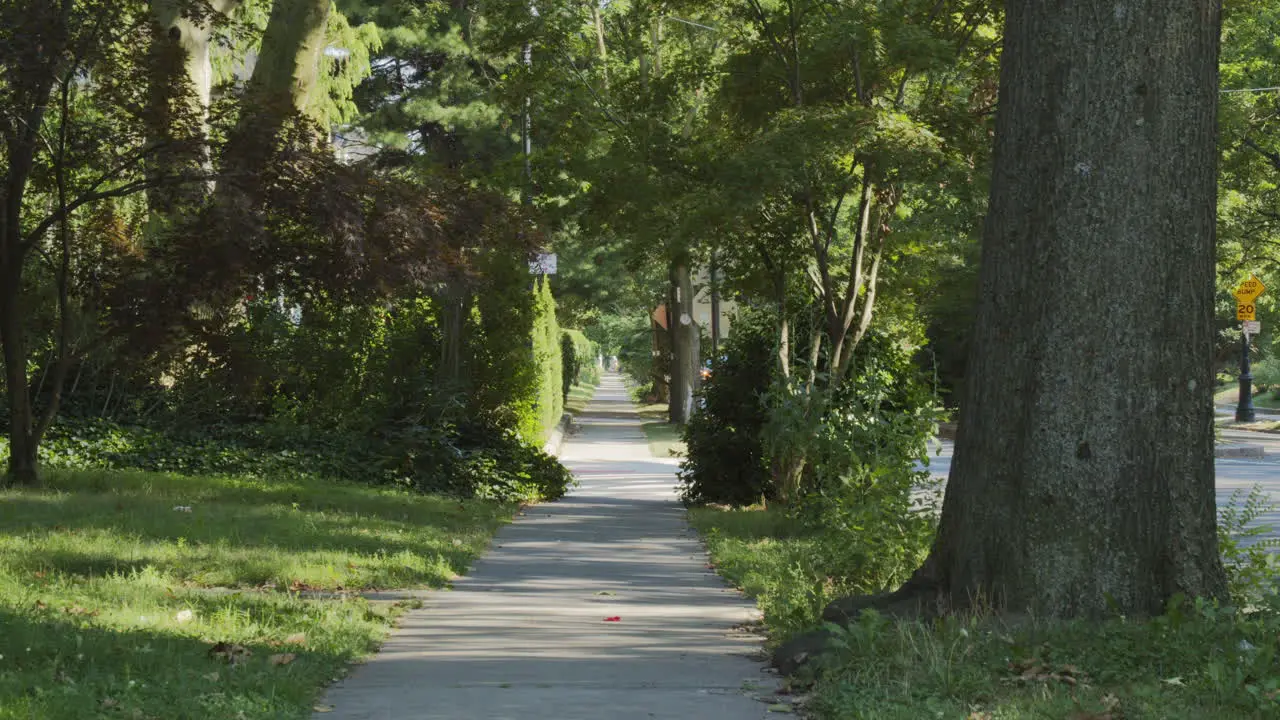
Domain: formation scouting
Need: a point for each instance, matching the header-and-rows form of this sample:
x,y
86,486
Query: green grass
x,y
664,439
1196,662
1230,395
772,559
579,397
793,571
102,607
656,412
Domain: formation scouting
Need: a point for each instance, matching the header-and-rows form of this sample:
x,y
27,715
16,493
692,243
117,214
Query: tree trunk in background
x,y
288,67
1083,479
193,40
674,381
285,78
454,307
685,351
22,467
601,48
181,50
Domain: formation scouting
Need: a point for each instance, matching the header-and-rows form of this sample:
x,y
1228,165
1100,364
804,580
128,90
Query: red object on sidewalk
x,y
615,618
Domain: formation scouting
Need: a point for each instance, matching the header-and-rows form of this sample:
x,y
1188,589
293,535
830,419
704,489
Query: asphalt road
x,y
1232,474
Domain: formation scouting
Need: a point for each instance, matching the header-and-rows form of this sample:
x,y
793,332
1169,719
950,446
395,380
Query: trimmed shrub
x,y
726,462
472,460
547,361
579,356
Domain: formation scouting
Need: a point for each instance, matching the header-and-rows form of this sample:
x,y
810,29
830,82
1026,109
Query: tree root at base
x,y
917,599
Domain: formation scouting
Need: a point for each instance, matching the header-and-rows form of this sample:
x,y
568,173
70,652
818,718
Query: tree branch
x,y
119,191
1272,158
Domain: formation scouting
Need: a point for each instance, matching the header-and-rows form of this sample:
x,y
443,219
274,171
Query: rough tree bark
x,y
22,468
598,20
1083,478
286,78
192,38
685,346
182,44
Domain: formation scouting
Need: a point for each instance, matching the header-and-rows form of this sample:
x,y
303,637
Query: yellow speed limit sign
x,y
1246,311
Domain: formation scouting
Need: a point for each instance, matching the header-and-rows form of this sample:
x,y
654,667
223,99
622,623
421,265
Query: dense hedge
x,y
470,461
579,358
452,392
547,360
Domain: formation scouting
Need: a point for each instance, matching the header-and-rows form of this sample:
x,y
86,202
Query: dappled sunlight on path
x,y
601,605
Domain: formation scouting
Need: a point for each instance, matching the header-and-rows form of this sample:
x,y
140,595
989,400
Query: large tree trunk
x,y
1083,477
287,72
181,91
285,79
601,48
455,305
191,39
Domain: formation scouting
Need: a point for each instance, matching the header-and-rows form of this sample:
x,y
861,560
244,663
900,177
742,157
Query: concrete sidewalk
x,y
524,635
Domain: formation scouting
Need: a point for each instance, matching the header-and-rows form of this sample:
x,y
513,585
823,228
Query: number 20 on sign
x,y
1248,291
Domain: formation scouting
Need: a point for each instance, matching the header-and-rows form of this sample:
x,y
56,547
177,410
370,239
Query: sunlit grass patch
x,y
106,606
579,397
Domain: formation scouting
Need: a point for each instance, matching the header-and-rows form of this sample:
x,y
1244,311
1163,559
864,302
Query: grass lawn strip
x,y
103,576
1195,662
664,439
579,397
1230,395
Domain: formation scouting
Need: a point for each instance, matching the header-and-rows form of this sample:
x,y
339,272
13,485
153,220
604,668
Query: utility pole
x,y
1246,312
715,308
1244,407
526,123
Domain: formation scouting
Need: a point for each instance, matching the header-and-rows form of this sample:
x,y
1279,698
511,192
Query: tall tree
x,y
1083,479
65,143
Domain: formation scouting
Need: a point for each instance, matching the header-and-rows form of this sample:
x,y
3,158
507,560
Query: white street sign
x,y
1252,327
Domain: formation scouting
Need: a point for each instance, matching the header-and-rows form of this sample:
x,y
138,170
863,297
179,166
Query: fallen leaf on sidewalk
x,y
323,708
615,618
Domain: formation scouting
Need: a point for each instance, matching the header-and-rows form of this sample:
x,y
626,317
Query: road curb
x,y
1256,452
557,436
